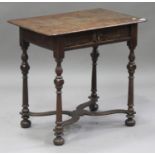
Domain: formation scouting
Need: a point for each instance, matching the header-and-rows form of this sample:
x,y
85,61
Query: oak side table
x,y
67,31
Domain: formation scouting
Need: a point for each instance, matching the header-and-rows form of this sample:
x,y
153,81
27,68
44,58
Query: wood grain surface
x,y
65,23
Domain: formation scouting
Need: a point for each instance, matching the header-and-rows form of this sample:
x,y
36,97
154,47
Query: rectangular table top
x,y
65,23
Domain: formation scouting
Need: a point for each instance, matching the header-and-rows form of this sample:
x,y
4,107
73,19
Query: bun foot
x,y
25,123
93,107
58,141
130,122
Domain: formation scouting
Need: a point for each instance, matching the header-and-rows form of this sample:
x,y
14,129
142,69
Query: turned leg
x,y
25,123
93,97
58,84
131,70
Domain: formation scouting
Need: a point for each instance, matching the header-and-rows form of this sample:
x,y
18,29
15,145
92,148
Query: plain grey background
x,y
90,134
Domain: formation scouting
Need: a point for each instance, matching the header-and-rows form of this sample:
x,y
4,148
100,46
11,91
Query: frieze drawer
x,y
72,41
101,36
113,34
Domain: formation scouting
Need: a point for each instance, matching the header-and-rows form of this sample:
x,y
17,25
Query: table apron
x,y
80,39
97,37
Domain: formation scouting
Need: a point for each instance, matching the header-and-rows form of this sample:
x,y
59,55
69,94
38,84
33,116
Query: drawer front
x,y
113,34
78,40
102,36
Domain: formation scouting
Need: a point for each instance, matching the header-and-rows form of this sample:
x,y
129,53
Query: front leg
x,y
25,123
131,70
58,84
58,55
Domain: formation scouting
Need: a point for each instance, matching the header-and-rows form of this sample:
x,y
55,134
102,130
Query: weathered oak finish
x,y
75,22
63,32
